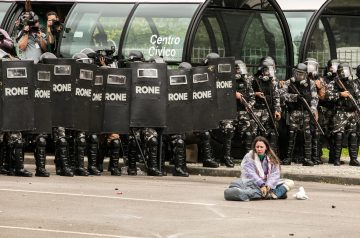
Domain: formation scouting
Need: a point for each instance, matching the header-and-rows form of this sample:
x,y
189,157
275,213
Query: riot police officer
x,y
313,74
245,98
149,136
300,92
267,101
327,107
345,93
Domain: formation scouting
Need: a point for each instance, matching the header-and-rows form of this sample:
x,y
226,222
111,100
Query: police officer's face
x,y
260,148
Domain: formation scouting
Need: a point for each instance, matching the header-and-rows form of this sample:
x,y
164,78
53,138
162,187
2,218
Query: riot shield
x,y
179,105
116,100
204,98
97,102
84,79
63,90
148,95
225,87
44,73
17,93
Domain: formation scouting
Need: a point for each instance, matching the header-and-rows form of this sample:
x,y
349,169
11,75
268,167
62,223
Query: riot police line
x,y
82,97
79,96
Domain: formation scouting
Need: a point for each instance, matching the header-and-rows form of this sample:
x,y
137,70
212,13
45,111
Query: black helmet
x,y
300,73
136,55
185,66
82,58
332,65
344,71
157,59
240,67
267,67
211,56
358,71
47,55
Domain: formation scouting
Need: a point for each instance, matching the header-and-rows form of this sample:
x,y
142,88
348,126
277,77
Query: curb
x,y
196,169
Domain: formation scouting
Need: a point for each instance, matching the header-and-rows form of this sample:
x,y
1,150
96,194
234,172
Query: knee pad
x,y
19,143
62,142
81,142
41,141
94,139
115,143
205,135
152,142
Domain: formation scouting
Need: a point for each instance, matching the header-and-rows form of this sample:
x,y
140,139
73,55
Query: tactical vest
x,y
266,89
326,103
342,103
304,91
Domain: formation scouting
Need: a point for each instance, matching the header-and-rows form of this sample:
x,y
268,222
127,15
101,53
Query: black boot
x,y
93,154
179,158
62,157
101,156
132,157
40,157
290,149
307,149
80,147
18,156
228,160
337,148
248,139
315,148
206,151
114,157
3,155
353,149
152,149
72,151
273,141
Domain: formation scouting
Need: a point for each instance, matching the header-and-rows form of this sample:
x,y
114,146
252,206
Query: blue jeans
x,y
280,191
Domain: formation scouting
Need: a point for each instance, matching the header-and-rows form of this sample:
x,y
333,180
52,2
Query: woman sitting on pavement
x,y
260,175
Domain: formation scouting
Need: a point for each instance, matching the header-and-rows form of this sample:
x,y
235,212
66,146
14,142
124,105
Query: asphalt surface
x,y
173,207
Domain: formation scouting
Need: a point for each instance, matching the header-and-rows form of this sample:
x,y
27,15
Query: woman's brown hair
x,y
269,152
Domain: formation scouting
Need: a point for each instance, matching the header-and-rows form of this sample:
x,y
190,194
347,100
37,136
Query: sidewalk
x,y
325,173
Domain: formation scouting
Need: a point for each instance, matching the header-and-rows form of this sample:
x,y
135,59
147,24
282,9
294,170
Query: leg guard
x,y
307,149
132,156
179,158
93,150
80,147
248,140
18,158
227,159
315,148
290,149
353,149
62,156
205,147
114,157
337,148
40,157
151,147
3,156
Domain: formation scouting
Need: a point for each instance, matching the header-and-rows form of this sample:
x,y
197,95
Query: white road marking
x,y
214,210
66,232
109,197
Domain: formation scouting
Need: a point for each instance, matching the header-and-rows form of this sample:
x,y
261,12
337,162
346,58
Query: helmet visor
x,y
346,72
313,67
334,67
241,69
299,75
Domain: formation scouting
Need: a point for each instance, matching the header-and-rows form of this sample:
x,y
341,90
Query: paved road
x,y
173,207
